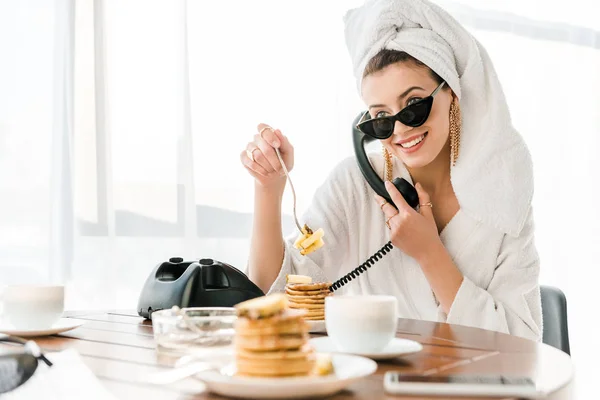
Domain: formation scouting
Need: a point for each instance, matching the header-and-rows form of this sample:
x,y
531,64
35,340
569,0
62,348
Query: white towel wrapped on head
x,y
493,178
404,26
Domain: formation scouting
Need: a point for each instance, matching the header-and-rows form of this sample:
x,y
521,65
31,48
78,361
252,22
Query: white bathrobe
x,y
491,239
500,289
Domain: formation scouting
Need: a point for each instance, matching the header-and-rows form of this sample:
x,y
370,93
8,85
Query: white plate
x,y
347,369
317,326
63,325
397,347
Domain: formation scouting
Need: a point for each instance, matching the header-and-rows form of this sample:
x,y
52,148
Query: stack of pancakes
x,y
309,297
271,340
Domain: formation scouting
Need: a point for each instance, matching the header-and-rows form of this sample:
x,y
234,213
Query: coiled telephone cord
x,y
362,268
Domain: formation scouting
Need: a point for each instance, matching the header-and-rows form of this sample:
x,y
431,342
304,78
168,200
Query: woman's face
x,y
388,91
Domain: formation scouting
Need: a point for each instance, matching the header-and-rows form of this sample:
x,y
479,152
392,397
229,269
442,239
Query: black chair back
x,y
554,311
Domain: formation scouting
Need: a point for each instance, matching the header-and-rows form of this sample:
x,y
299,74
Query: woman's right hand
x,y
261,161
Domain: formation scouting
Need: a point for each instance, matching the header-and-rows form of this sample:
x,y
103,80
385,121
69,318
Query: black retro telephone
x,y
195,283
360,139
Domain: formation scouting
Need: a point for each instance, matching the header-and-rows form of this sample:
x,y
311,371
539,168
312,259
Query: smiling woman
x,y
463,256
141,163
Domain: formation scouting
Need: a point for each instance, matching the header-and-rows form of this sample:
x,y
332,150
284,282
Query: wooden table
x,y
119,348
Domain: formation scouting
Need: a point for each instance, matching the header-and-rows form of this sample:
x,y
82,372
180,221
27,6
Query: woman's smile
x,y
412,144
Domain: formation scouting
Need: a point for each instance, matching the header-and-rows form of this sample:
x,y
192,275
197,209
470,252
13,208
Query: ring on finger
x,y
250,154
428,204
387,221
263,129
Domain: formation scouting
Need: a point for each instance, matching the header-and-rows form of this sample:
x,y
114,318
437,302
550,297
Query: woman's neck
x,y
435,176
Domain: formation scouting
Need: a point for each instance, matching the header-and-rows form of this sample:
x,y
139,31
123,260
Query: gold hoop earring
x,y
388,166
455,128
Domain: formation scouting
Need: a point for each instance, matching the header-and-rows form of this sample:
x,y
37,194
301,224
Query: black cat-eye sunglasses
x,y
413,115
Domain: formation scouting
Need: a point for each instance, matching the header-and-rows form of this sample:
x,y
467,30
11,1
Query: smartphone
x,y
461,385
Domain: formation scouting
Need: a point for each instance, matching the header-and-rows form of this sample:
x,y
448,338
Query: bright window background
x,y
26,120
132,155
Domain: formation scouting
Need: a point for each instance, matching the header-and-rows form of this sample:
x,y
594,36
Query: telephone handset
x,y
407,190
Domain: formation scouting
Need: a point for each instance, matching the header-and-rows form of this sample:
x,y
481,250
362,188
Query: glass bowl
x,y
188,329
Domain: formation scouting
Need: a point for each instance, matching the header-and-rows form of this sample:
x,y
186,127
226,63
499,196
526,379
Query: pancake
x,y
274,367
306,292
282,355
307,306
290,327
271,335
288,316
315,313
273,362
305,300
262,307
316,318
307,296
270,342
308,286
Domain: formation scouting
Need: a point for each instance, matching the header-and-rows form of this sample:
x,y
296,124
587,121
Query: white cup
x,y
31,307
361,324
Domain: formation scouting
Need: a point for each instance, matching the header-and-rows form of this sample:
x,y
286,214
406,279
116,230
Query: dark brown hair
x,y
388,57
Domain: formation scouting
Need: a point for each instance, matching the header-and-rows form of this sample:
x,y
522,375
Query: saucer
x,y
397,347
63,325
316,326
347,369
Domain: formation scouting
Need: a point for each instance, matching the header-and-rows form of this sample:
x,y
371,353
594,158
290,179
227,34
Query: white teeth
x,y
413,142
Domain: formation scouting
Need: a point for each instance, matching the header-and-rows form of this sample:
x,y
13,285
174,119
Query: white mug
x,y
361,324
30,307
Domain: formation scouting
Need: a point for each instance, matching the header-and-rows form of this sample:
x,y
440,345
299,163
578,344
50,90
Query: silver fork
x,y
287,174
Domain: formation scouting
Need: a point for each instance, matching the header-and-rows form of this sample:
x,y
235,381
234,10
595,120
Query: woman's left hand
x,y
415,233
